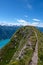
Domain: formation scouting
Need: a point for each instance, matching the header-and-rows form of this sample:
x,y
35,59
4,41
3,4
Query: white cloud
x,y
35,24
24,22
35,19
40,24
21,22
26,16
29,6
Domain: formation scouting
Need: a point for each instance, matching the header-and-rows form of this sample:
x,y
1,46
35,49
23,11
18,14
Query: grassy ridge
x,y
28,51
17,43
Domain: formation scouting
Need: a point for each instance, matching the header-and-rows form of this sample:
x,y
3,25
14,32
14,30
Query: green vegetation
x,y
20,49
40,49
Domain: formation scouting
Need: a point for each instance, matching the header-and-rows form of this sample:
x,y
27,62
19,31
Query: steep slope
x,y
35,54
7,31
40,48
22,47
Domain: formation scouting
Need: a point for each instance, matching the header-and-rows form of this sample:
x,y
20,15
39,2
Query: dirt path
x,y
22,51
35,54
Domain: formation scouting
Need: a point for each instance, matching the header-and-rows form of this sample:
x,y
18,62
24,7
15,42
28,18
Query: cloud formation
x,y
29,6
26,16
22,22
34,23
37,20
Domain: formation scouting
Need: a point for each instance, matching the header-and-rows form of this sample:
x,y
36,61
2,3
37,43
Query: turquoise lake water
x,y
4,42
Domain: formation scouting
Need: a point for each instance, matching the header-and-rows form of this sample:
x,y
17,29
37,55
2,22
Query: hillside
x,y
25,48
7,31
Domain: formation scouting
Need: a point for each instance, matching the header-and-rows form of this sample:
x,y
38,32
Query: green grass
x,y
40,50
17,42
40,47
29,52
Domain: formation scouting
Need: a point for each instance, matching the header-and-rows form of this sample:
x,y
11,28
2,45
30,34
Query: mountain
x,y
25,48
40,29
7,31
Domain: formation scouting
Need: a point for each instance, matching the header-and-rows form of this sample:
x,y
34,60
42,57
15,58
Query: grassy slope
x,y
20,39
40,47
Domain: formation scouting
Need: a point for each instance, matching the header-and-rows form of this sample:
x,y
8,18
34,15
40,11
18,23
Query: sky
x,y
21,12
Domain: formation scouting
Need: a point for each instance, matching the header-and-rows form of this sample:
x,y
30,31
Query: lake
x,y
4,42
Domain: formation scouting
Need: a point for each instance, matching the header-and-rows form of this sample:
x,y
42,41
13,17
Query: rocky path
x,y
35,54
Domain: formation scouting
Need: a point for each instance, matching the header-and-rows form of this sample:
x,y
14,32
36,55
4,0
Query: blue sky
x,y
21,12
